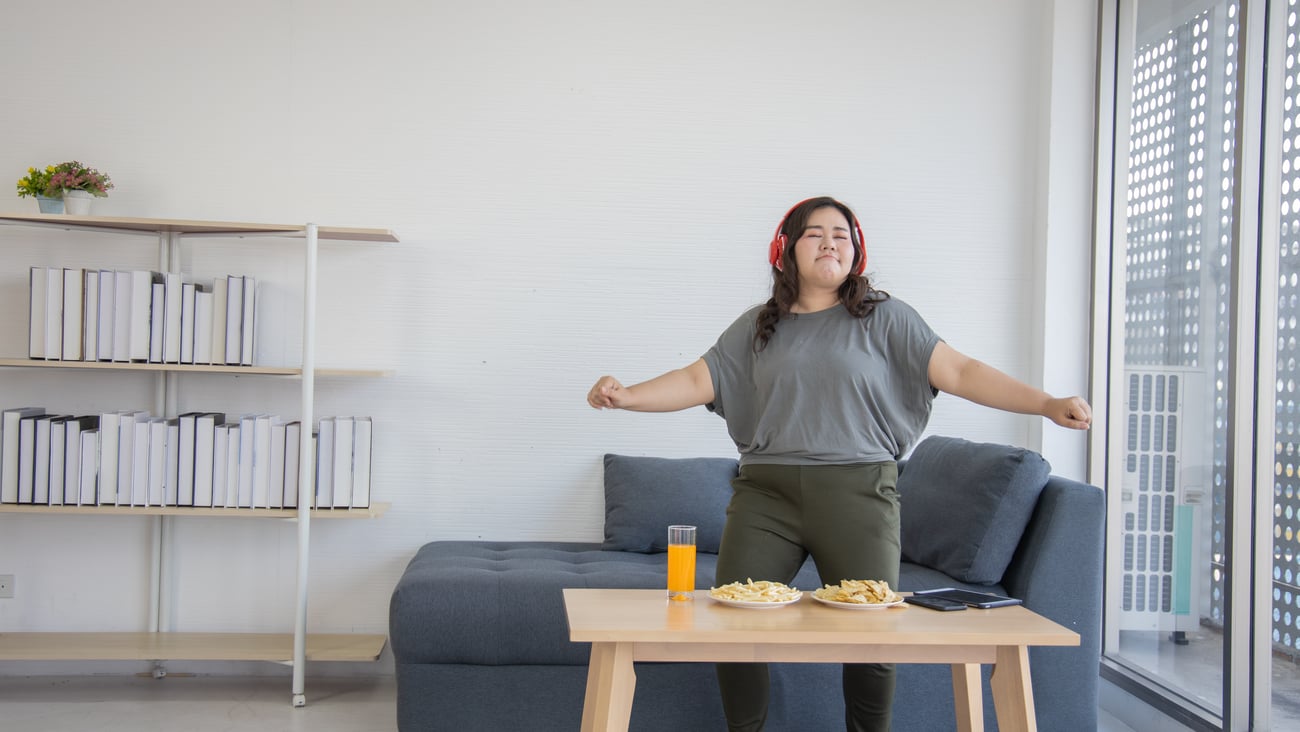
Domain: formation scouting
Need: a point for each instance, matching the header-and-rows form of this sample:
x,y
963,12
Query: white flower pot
x,y
77,203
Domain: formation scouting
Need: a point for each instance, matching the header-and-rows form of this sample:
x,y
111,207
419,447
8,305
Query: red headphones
x,y
779,240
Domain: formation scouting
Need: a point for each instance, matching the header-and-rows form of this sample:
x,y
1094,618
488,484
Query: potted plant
x,y
37,184
78,184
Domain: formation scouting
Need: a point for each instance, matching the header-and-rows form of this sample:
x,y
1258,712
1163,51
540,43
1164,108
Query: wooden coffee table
x,y
641,625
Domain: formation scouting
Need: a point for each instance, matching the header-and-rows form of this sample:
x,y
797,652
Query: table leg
x,y
968,697
1013,695
611,682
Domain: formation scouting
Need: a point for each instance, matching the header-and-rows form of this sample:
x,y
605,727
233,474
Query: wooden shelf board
x,y
375,510
185,226
277,647
36,363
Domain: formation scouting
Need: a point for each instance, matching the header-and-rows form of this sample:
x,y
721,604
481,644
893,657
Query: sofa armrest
x,y
1057,571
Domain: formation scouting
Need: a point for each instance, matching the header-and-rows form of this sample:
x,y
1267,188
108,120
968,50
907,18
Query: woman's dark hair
x,y
856,294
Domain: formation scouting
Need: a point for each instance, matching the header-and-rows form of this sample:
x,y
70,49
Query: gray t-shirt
x,y
829,388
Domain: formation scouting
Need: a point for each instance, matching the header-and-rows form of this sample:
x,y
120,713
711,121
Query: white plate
x,y
756,605
859,605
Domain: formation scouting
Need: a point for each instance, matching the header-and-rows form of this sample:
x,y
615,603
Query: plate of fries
x,y
858,595
763,594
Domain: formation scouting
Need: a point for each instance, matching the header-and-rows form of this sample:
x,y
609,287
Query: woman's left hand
x,y
1072,412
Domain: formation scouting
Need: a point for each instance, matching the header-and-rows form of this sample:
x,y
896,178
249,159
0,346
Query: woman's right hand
x,y
608,393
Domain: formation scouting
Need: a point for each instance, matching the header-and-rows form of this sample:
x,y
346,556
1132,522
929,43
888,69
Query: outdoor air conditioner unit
x,y
1165,501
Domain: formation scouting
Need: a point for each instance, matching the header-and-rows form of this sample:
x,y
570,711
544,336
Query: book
x,y
142,282
140,462
107,310
202,324
110,424
58,461
188,423
361,446
74,305
247,427
234,317
9,449
261,461
121,316
218,349
205,428
72,430
172,317
53,313
275,488
155,492
156,304
36,303
324,492
343,428
46,426
172,463
126,456
220,450
292,464
90,317
89,467
233,441
247,321
187,322
27,458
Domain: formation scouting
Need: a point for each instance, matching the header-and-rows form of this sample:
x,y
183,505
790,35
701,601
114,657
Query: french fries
x,y
751,591
859,592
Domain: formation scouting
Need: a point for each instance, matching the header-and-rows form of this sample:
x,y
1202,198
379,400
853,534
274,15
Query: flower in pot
x,y
37,185
78,184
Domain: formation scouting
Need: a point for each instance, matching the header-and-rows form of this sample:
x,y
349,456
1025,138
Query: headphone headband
x,y
776,250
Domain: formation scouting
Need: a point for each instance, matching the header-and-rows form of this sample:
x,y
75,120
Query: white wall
x,y
580,188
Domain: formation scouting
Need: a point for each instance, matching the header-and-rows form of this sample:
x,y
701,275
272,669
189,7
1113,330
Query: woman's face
x,y
824,252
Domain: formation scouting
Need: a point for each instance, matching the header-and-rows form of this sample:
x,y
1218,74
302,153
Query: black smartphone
x,y
935,603
969,597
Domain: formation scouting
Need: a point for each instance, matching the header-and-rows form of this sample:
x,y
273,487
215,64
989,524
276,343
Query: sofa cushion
x,y
646,495
965,505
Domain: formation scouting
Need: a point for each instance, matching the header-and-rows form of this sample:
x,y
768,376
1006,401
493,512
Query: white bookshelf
x,y
159,645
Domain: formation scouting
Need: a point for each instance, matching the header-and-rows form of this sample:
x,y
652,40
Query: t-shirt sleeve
x,y
731,363
913,338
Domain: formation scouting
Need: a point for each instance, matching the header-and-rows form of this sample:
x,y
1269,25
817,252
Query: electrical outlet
x,y
6,585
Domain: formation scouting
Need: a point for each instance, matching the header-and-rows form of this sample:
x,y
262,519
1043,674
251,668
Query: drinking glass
x,y
681,563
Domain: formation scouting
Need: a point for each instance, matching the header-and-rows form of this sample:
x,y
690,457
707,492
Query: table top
x,y
647,616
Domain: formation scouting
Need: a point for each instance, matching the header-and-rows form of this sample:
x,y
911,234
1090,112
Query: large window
x,y
1202,442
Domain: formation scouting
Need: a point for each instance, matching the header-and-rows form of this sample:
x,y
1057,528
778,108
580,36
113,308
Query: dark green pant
x,y
846,517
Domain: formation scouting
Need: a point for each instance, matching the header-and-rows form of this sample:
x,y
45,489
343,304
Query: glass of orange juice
x,y
681,563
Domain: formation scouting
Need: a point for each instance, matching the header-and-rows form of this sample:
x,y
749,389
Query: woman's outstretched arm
x,y
678,389
963,376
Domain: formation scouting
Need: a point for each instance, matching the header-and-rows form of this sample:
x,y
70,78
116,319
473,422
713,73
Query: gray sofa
x,y
481,642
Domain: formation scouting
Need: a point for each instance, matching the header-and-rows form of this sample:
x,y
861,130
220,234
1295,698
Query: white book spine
x,y
233,441
156,492
185,459
27,459
121,316
89,477
172,317
248,323
218,349
205,428
107,313
324,492
170,489
202,325
53,313
109,430
234,317
140,463
157,303
141,306
292,463
58,461
275,489
262,461
36,303
220,448
187,322
343,428
362,441
74,306
246,433
90,317
41,481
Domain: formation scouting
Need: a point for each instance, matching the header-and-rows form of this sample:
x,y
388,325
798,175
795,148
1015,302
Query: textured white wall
x,y
581,188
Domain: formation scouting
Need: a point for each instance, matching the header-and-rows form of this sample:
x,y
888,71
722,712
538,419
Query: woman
x,y
823,389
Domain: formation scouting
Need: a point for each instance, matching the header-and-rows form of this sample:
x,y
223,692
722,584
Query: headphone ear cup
x,y
776,251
